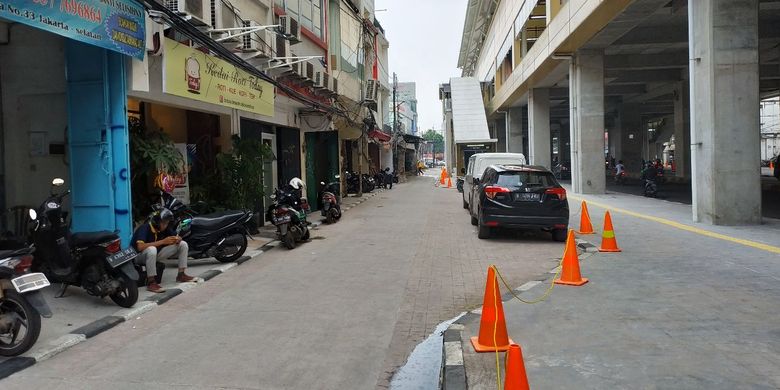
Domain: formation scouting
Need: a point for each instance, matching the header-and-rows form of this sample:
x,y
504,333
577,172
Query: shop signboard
x,y
116,25
193,74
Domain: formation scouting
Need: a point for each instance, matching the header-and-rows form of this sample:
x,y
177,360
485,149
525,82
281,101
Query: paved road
x,y
340,312
684,306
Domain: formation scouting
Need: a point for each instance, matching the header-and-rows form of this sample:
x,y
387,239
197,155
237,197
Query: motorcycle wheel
x,y
239,253
11,344
128,296
306,234
288,240
329,218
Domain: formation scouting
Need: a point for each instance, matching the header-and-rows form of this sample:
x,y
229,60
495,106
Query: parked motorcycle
x,y
353,180
221,235
288,214
331,204
21,303
369,184
94,261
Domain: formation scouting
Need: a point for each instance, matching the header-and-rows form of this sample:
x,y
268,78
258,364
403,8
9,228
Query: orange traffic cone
x,y
570,274
492,326
608,241
514,367
585,226
449,182
442,176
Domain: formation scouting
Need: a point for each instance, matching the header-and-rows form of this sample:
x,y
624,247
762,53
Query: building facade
x,y
635,80
290,73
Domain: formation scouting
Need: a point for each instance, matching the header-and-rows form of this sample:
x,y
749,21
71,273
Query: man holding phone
x,y
157,240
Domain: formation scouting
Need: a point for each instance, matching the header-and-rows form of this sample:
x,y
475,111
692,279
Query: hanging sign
x,y
194,74
116,25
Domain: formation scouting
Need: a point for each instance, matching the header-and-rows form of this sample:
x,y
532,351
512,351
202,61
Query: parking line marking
x,y
682,226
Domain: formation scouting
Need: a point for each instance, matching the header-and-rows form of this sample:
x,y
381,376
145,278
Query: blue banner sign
x,y
116,25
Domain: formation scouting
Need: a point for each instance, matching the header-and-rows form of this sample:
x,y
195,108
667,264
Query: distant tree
x,y
436,139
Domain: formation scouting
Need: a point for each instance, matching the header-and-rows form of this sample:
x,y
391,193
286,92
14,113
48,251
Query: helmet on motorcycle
x,y
160,216
165,182
296,183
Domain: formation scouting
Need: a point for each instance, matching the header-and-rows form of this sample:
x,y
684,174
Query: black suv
x,y
521,197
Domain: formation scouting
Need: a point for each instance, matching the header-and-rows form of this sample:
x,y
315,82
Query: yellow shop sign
x,y
196,75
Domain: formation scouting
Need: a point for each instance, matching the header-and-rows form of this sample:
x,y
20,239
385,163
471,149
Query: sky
x,y
424,38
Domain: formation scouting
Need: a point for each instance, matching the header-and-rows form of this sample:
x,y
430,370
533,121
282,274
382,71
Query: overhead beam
x,y
642,76
676,60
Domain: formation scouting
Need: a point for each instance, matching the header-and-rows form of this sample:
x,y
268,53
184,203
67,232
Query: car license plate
x,y
121,257
30,282
527,197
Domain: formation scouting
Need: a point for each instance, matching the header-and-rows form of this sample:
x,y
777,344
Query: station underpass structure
x,y
582,81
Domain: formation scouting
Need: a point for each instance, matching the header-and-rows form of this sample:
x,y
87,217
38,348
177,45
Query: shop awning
x,y
413,139
379,135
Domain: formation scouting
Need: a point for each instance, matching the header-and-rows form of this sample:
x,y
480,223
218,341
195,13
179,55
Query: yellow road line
x,y
681,226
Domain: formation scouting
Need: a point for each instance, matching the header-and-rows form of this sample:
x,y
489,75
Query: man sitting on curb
x,y
156,240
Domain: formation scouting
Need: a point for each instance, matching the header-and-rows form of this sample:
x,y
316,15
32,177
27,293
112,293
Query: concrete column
x,y
500,124
682,131
631,138
724,95
586,90
515,142
539,127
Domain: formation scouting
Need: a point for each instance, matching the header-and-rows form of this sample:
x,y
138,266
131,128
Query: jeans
x,y
152,254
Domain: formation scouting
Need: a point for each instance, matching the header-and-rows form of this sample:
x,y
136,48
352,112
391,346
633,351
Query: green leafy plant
x,y
241,173
151,153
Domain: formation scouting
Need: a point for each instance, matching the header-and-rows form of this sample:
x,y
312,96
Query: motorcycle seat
x,y
15,252
89,238
217,220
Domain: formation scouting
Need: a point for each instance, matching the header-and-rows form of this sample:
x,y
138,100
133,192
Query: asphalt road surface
x,y
340,312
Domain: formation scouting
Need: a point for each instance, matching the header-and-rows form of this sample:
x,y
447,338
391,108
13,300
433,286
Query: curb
x,y
453,372
94,328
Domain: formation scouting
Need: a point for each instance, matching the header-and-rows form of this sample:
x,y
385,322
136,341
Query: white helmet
x,y
296,183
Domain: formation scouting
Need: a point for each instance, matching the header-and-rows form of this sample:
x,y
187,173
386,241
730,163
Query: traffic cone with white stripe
x,y
608,241
586,227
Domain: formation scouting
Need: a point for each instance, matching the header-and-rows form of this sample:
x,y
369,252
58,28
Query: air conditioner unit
x,y
268,44
282,48
309,73
334,85
197,12
290,28
372,91
250,42
321,80
224,16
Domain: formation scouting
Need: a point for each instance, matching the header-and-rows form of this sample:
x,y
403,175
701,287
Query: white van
x,y
477,165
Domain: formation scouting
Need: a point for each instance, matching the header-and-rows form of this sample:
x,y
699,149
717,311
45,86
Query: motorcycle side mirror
x,y
33,214
57,182
273,196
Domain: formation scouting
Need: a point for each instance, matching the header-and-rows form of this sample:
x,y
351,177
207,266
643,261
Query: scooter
x,y
620,178
21,303
288,214
94,261
222,235
651,189
331,206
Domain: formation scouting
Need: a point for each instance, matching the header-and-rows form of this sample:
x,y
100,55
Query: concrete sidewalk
x,y
678,308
